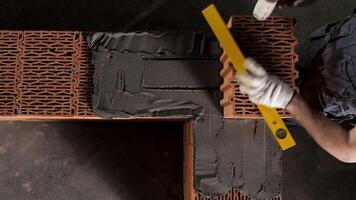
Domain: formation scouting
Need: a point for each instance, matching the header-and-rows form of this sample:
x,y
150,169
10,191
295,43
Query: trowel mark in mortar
x,y
255,129
233,172
120,81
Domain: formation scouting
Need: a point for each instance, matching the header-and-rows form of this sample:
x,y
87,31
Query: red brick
x,y
272,44
45,73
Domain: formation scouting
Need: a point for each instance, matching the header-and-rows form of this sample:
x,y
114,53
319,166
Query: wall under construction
x,y
49,75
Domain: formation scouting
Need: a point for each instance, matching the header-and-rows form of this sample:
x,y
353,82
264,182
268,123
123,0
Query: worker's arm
x,y
271,91
329,135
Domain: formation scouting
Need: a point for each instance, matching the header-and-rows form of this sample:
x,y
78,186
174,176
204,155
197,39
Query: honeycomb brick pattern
x,y
45,73
9,52
272,44
233,194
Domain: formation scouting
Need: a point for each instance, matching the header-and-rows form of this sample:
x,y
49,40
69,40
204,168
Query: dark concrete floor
x,y
92,161
310,173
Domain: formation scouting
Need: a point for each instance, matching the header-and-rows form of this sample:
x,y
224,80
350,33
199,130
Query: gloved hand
x,y
263,88
264,8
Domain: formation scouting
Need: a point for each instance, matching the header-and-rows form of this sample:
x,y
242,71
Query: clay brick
x,y
9,52
45,73
272,44
233,194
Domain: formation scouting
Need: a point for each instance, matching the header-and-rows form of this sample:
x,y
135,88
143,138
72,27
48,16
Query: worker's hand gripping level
x,y
274,121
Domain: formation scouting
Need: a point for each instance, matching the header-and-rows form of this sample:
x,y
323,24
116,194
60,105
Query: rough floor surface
x,y
91,161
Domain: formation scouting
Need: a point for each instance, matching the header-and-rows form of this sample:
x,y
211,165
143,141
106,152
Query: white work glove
x,y
264,8
263,88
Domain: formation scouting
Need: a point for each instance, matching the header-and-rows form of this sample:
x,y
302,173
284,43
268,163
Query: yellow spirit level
x,y
274,121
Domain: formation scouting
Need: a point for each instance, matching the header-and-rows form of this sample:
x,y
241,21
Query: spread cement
x,y
177,75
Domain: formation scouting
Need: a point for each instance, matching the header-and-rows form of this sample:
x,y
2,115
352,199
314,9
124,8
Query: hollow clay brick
x,y
9,52
272,44
45,73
